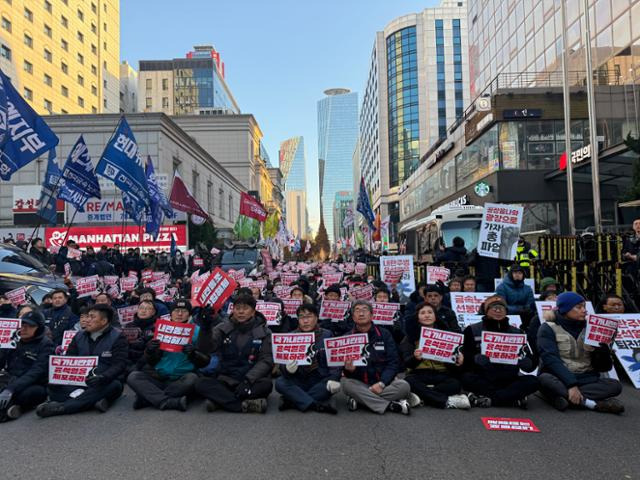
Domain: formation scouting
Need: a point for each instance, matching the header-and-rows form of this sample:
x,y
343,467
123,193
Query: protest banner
x,y
364,292
360,268
216,289
128,284
392,276
348,347
9,336
292,347
509,424
349,268
437,274
196,285
465,320
147,275
131,333
499,231
385,313
267,261
288,278
132,274
110,280
67,269
626,345
467,303
271,311
259,284
282,291
291,306
126,314
73,371
173,335
87,286
17,296
407,282
503,348
440,345
542,307
600,329
335,310
331,278
67,337
198,262
158,286
113,291
527,281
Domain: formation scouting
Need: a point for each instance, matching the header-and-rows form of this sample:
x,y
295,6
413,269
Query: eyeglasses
x,y
498,308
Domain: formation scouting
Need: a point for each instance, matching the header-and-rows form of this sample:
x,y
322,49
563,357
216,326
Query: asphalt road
x,y
429,444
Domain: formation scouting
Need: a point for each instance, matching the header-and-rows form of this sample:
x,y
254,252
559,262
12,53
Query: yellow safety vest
x,y
524,258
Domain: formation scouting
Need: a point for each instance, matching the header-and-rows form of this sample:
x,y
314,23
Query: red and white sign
x,y
267,262
437,274
17,296
110,280
67,269
237,275
291,306
9,332
360,268
542,307
392,276
67,337
467,303
599,330
390,265
128,284
331,278
65,370
440,345
364,292
288,278
110,236
509,424
87,286
196,285
147,275
173,335
334,309
282,291
126,314
503,347
250,207
198,262
26,199
74,253
348,347
271,311
385,313
158,286
216,289
292,347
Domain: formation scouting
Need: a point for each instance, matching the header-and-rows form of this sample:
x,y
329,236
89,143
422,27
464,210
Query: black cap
x,y
35,319
433,288
182,303
335,288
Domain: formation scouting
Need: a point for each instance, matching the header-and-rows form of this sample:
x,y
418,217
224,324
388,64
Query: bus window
x,y
468,230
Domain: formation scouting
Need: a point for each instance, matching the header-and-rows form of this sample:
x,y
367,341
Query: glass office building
x,y
292,164
337,138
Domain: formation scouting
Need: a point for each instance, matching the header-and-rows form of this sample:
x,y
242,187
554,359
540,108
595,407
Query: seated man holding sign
x,y
306,387
242,381
571,361
494,353
104,382
373,383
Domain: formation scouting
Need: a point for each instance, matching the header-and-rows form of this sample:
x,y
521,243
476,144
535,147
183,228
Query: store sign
x,y
26,202
577,156
484,122
458,202
522,113
482,189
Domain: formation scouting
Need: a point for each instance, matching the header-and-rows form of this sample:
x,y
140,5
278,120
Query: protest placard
x,y
132,274
67,269
440,345
65,370
67,337
237,275
627,345
9,337
292,347
331,278
348,347
87,286
196,285
502,347
131,333
110,280
73,253
271,311
216,289
394,263
542,307
360,268
467,303
509,424
599,329
17,296
128,284
335,310
437,274
499,231
291,306
385,313
362,292
173,335
158,286
147,275
282,291
288,278
198,262
126,314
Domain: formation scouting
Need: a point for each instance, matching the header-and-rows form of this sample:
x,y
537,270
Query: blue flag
x,y
50,186
155,192
80,181
121,163
24,135
364,205
156,210
130,207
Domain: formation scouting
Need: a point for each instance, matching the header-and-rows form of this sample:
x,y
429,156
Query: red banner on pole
x,y
250,207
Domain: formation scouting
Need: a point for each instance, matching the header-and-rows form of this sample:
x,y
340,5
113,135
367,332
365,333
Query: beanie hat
x,y
494,300
547,282
567,300
182,303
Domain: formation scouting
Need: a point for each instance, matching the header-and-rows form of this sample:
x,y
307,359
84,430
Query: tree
x,y
321,247
633,192
205,233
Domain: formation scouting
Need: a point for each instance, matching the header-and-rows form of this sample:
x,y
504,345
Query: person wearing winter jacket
x,y
23,370
40,253
144,321
457,253
178,265
494,384
166,379
309,387
570,371
517,294
435,382
434,295
242,344
59,317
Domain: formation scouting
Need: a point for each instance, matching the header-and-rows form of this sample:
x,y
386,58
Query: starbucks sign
x,y
482,189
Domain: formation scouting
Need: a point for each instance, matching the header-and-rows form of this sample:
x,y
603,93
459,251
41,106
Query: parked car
x,y
240,256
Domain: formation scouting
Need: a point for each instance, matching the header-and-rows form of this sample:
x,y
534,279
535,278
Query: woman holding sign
x,y
431,379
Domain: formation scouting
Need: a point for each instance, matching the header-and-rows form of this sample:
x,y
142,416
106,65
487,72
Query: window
x,y
165,102
209,196
47,30
94,9
94,49
48,80
104,103
80,15
47,6
48,106
64,21
81,101
6,24
28,94
195,177
148,83
94,69
81,59
94,29
47,55
80,36
104,27
148,101
104,45
5,52
104,83
64,44
221,203
64,91
165,84
94,90
94,110
28,41
64,67
80,80
230,207
28,14
28,67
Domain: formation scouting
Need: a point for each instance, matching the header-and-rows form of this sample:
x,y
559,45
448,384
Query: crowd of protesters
x,y
229,361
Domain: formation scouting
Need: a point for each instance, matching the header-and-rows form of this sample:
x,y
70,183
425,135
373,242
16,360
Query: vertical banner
x,y
499,231
627,345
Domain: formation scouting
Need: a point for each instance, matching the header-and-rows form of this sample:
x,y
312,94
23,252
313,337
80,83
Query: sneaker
x,y
140,403
258,405
102,405
401,406
13,412
333,387
50,409
479,401
284,404
414,400
325,407
352,405
179,404
210,405
523,403
609,405
460,402
560,403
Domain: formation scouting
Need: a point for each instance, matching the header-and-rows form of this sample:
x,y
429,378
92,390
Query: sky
x,y
280,55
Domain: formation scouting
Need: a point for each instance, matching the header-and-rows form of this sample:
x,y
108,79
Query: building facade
x,y
337,138
128,88
417,85
186,86
293,163
63,56
342,207
297,218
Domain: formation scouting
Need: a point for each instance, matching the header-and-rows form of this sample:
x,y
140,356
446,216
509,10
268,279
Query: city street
x,y
431,444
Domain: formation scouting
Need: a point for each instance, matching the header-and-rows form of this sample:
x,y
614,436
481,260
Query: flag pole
x,y
64,241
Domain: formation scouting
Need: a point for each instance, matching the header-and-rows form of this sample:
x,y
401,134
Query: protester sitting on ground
x,y
517,294
536,321
332,292
375,385
242,380
307,387
165,379
297,292
469,284
105,382
494,384
23,369
434,296
570,370
455,285
434,382
611,304
150,295
59,316
145,321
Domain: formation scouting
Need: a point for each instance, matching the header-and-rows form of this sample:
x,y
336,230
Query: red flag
x,y
250,207
182,200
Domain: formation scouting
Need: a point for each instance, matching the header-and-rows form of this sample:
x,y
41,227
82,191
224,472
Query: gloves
x,y
95,380
292,367
189,349
152,347
243,390
525,364
5,398
481,360
206,317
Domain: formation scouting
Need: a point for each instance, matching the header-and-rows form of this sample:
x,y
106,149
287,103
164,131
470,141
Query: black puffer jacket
x,y
28,363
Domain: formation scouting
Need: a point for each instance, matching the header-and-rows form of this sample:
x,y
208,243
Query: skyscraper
x,y
337,137
292,166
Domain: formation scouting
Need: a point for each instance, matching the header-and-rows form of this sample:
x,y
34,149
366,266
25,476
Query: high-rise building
x,y
63,57
416,87
128,88
297,217
186,86
342,207
292,165
337,137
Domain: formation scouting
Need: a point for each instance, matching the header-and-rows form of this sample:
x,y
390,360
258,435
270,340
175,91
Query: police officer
x,y
525,254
